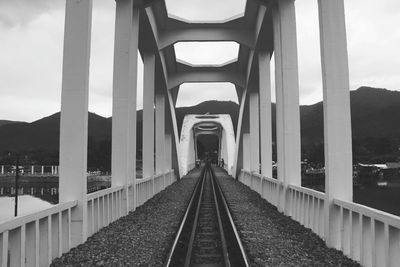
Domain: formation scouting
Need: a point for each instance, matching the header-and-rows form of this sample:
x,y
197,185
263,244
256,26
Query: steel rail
x,y
194,226
232,253
231,223
185,217
220,226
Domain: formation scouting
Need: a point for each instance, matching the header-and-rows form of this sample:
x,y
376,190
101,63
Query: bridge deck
x,y
143,238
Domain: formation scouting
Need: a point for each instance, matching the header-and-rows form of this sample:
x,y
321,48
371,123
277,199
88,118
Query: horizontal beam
x,y
207,132
169,37
202,74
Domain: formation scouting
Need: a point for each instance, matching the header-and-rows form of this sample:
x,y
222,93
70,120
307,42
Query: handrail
x,y
308,191
269,179
143,180
371,212
19,221
103,192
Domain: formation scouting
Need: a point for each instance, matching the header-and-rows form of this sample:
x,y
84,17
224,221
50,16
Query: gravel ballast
x,y
142,238
271,238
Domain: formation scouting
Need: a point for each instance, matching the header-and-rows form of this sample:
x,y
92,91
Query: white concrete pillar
x,y
74,114
2,169
246,136
42,171
287,98
148,115
168,139
238,159
123,155
52,169
160,133
32,170
265,113
175,132
254,132
246,151
337,117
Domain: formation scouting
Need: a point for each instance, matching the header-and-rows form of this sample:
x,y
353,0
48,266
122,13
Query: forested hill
x,y
375,126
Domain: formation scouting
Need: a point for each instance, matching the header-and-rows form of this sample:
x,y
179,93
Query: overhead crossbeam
x,y
199,74
207,128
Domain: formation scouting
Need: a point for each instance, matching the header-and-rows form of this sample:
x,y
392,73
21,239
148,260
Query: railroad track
x,y
207,235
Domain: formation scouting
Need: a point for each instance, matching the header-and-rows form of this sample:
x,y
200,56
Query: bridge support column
x,y
175,140
254,114
148,115
123,163
238,159
287,99
160,133
265,113
246,143
168,139
74,114
337,120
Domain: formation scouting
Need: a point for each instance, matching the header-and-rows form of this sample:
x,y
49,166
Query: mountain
x,y
43,134
4,122
375,117
375,113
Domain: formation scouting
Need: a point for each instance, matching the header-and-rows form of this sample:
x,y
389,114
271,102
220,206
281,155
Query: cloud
x,y
30,65
205,10
206,53
32,42
21,12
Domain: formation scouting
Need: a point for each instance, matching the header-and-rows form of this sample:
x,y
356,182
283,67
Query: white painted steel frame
x,y
364,234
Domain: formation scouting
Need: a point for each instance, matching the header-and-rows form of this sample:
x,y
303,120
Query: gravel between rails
x,y
142,238
271,238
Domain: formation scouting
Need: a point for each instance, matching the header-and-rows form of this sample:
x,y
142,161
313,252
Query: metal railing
x,y
103,207
367,235
307,207
36,239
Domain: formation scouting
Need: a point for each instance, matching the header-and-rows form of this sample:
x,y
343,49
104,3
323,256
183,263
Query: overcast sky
x,y
31,43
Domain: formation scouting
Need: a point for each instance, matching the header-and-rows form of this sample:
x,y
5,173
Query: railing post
x,y
123,165
287,99
74,114
337,117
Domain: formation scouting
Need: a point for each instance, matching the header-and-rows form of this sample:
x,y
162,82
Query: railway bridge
x,y
267,27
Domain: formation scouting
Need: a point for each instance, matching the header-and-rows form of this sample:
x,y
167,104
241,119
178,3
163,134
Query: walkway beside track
x,y
142,238
271,238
